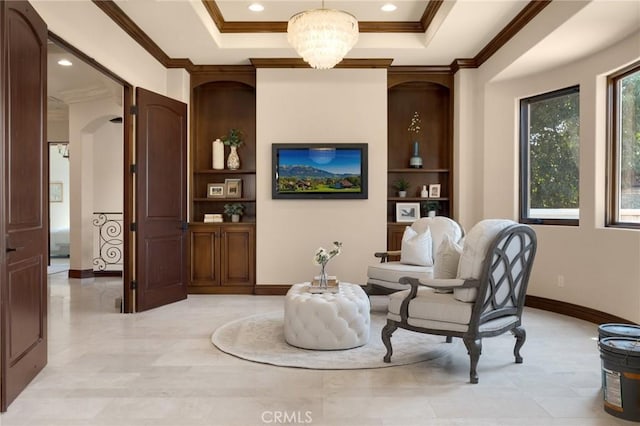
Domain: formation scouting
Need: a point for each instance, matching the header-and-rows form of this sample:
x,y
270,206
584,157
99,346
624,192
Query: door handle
x,y
10,249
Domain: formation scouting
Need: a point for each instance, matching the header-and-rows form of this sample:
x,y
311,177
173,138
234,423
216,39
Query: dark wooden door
x,y
23,217
161,201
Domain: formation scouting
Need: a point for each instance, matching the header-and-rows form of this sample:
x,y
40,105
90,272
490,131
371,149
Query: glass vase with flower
x,y
322,257
414,128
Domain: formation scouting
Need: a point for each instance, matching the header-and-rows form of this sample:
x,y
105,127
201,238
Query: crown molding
x,y
525,16
299,63
459,64
119,17
429,13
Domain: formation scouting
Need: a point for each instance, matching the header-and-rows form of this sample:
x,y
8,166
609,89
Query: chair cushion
x,y
473,253
417,248
393,271
439,227
429,305
446,259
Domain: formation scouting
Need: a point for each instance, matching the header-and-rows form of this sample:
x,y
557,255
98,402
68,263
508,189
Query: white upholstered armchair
x,y
485,299
420,243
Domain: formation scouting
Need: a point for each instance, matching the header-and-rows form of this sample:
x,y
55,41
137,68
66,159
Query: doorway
x,y
85,129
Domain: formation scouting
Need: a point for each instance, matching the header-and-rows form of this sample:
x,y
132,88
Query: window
x,y
549,157
624,148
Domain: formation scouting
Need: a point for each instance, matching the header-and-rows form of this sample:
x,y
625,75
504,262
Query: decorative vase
x,y
415,161
235,218
323,281
218,155
424,193
233,162
431,213
402,194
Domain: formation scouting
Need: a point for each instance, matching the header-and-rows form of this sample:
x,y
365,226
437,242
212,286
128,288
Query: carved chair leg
x,y
521,336
449,339
387,331
474,347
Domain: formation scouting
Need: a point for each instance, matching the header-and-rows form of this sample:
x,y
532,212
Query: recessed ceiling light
x,y
256,7
65,62
388,7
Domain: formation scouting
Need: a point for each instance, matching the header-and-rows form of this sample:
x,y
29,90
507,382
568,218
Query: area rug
x,y
260,338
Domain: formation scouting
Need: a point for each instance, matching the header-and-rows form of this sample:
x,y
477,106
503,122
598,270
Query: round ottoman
x,y
326,320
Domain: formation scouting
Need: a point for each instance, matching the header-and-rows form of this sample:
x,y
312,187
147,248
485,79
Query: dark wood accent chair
x,y
485,305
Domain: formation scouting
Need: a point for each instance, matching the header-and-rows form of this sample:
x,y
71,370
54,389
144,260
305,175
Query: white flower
x,y
414,127
322,256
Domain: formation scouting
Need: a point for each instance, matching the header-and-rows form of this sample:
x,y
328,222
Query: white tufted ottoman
x,y
327,320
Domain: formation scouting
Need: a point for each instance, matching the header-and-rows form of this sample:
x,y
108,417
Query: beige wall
x,y
588,265
85,122
89,29
339,106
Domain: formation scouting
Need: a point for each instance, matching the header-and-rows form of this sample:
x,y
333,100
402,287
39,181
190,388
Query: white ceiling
x,y
461,29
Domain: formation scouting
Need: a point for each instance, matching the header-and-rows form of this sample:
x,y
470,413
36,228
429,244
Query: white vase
x,y
424,193
431,213
235,218
233,162
402,194
217,152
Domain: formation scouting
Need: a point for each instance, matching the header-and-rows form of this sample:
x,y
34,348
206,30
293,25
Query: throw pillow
x,y
416,248
446,259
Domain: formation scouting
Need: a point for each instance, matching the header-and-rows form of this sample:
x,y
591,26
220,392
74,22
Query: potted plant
x,y
233,140
402,185
432,208
234,210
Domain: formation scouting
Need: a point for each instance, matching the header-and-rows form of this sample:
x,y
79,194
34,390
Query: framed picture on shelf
x,y
55,192
233,187
434,190
407,212
215,190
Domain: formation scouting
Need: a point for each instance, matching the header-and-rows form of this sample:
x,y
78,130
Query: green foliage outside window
x,y
554,150
629,131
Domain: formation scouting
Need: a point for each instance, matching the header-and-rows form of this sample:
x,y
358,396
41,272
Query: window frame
x,y
613,148
524,174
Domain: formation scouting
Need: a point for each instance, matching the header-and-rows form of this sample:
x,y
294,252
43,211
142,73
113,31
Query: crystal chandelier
x,y
322,36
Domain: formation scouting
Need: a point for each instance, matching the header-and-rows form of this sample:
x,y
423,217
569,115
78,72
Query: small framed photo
x,y
233,187
434,190
215,190
407,212
55,192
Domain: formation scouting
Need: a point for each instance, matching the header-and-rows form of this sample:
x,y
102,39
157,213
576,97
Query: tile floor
x,y
159,368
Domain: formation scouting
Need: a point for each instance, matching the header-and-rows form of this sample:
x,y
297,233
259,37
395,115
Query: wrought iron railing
x,y
108,241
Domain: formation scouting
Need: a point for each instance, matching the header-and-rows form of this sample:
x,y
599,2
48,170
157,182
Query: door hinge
x,y
134,227
133,168
133,110
134,285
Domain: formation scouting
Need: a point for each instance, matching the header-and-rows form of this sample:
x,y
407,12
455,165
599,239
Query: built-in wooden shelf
x,y
226,172
417,199
413,170
228,200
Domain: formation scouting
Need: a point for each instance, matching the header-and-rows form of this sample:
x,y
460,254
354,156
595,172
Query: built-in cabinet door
x,y
222,258
394,236
238,255
204,249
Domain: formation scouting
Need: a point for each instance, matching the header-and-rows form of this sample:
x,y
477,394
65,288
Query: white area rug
x,y
260,338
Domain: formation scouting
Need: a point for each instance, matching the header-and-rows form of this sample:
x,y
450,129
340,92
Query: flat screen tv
x,y
319,170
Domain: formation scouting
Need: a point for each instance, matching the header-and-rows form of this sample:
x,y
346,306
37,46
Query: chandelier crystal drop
x,y
322,36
